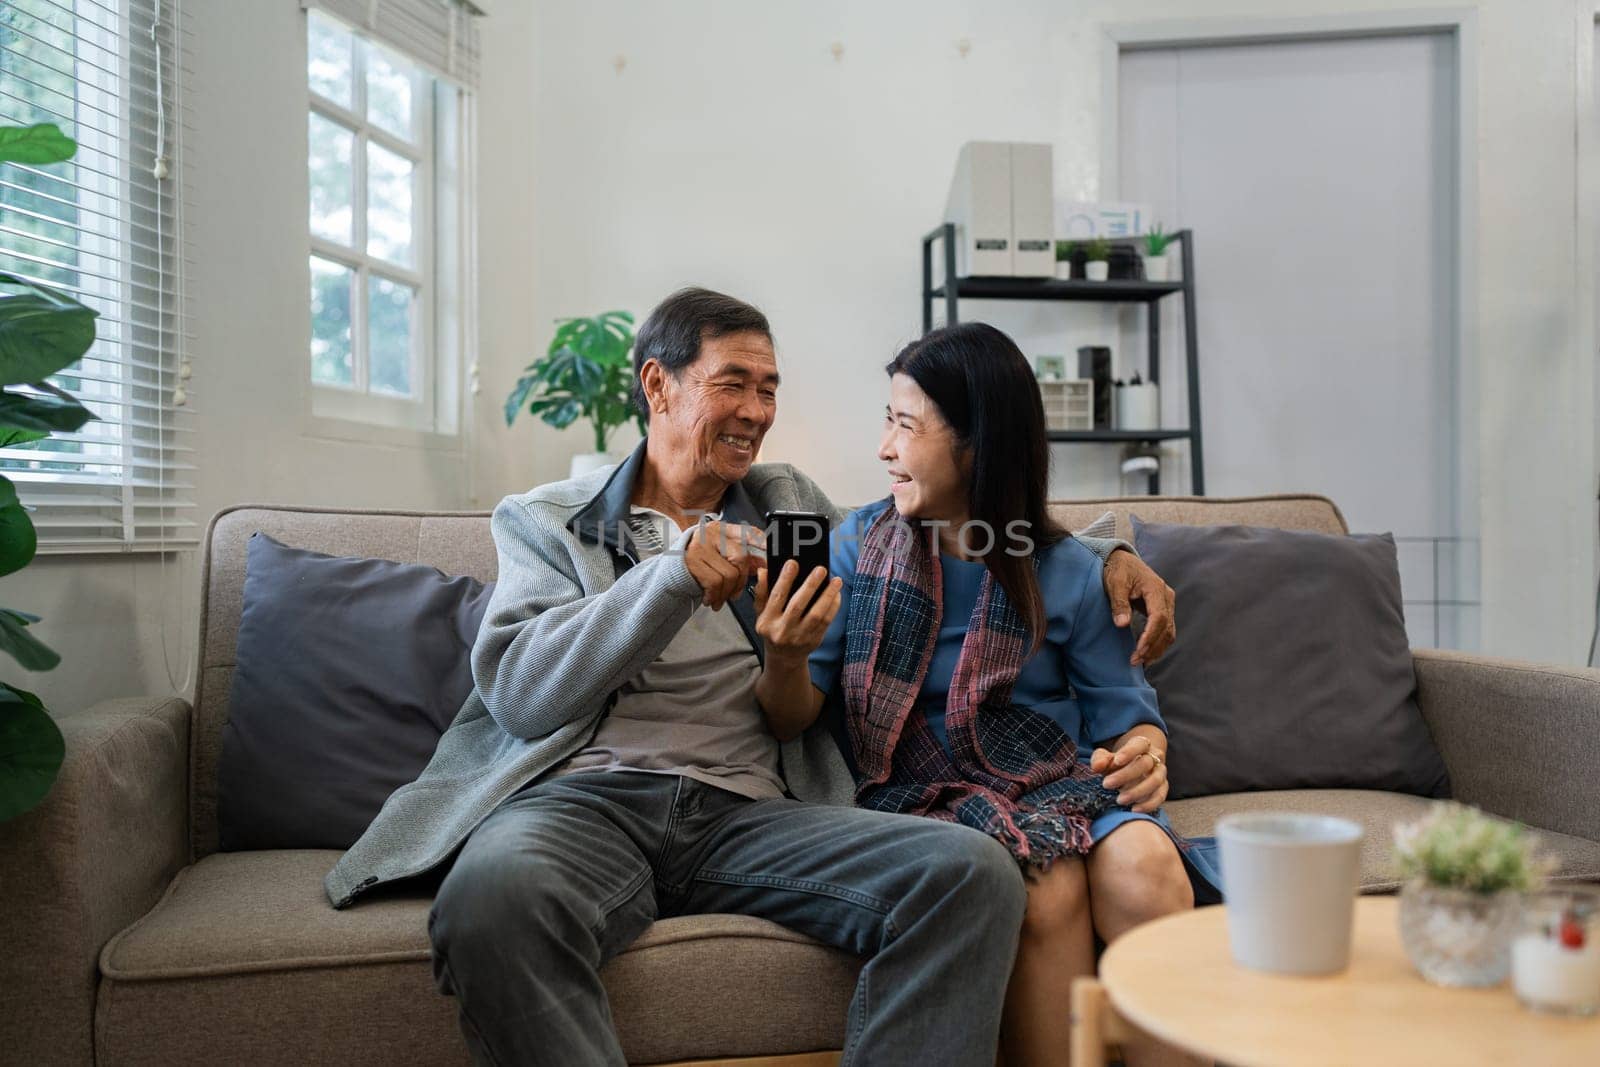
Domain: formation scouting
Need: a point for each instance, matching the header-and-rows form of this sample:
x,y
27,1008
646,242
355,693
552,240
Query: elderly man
x,y
613,764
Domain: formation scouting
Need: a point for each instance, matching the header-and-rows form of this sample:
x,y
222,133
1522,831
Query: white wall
x,y
734,151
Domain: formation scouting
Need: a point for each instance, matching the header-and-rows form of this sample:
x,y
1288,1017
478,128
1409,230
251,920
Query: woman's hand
x,y
1137,770
790,631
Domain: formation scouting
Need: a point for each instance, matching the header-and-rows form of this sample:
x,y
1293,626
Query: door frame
x,y
1586,273
1461,25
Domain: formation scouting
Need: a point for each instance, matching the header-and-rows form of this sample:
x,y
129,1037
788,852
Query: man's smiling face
x,y
720,407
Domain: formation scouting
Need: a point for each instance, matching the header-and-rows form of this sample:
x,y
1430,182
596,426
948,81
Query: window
x,y
382,144
103,228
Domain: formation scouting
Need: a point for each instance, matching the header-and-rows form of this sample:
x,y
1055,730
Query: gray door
x,y
1319,177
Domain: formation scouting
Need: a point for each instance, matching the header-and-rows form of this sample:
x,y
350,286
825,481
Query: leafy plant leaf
x,y
31,751
563,414
41,332
35,146
519,396
26,649
19,542
42,413
10,438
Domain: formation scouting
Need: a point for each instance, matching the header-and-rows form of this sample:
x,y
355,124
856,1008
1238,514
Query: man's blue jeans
x,y
569,871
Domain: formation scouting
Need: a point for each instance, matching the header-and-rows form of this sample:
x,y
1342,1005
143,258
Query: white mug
x,y
1289,883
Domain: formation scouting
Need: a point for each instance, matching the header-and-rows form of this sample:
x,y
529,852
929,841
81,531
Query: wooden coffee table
x,y
1175,979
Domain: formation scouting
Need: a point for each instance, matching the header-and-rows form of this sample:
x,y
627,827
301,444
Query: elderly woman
x,y
979,678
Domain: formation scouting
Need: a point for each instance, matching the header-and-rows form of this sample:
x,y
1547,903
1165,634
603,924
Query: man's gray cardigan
x,y
574,614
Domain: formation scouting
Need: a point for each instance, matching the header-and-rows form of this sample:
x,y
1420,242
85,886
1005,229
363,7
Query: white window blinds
x,y
440,34
105,227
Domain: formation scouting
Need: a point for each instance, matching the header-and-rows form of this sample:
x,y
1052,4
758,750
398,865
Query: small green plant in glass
x,y
1459,847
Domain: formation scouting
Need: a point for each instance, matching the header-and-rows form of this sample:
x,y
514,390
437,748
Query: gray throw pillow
x,y
1291,669
348,670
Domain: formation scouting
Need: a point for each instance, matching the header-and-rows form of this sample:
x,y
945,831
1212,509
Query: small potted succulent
x,y
1463,876
1098,253
1155,254
1065,250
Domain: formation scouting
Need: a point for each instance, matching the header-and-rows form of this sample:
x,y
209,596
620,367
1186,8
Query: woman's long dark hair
x,y
986,391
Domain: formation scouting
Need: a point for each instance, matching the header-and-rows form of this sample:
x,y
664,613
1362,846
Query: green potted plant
x,y
1065,251
1463,875
42,332
586,373
1098,254
1155,254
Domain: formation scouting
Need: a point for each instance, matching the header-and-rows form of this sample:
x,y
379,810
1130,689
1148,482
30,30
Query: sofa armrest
x,y
95,855
1521,740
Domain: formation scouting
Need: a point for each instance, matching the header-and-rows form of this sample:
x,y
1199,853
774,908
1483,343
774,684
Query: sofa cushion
x,y
348,671
244,961
1376,811
1291,669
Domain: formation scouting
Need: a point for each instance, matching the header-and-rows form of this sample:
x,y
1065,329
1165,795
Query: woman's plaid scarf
x,y
1014,773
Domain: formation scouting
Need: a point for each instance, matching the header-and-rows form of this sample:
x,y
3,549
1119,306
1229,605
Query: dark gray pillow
x,y
348,671
1291,669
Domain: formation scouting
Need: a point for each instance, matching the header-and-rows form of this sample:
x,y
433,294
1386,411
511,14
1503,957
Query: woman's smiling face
x,y
929,469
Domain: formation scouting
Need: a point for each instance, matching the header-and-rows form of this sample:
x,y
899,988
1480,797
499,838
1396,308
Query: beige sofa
x,y
127,938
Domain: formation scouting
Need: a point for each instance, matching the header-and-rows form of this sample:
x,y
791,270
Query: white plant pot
x,y
1156,269
585,462
1064,270
1098,270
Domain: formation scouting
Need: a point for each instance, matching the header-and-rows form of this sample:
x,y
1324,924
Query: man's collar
x,y
738,507
604,518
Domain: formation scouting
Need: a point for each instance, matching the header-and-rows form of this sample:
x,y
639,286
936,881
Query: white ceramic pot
x,y
585,462
1098,270
1156,268
1137,407
1064,269
1290,886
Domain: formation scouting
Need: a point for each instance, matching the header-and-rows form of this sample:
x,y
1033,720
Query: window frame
x,y
335,407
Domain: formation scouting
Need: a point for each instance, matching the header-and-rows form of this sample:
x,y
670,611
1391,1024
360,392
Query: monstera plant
x,y
586,373
42,332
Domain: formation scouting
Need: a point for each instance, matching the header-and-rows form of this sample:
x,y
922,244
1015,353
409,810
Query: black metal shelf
x,y
1120,290
1118,435
1116,290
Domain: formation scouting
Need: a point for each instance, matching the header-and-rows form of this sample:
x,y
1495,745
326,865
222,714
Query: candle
x,y
1555,959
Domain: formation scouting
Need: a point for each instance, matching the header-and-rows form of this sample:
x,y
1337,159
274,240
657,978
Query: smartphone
x,y
801,536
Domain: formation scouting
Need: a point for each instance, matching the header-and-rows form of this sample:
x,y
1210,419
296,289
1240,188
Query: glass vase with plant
x,y
1463,875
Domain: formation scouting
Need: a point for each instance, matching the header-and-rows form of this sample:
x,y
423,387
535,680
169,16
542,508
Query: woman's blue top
x,y
1079,676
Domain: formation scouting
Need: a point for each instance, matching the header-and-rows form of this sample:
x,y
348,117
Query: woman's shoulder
x,y
1069,566
857,520
846,540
